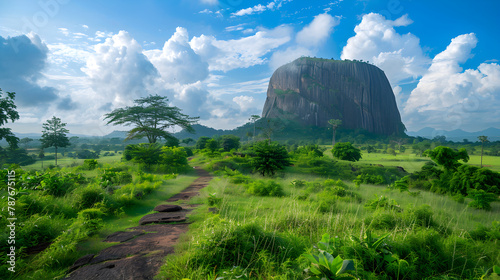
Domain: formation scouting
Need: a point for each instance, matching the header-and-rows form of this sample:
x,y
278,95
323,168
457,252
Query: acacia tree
x,y
483,139
447,157
54,134
8,112
151,117
335,123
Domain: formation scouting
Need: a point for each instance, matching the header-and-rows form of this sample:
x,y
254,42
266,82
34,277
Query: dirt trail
x,y
142,249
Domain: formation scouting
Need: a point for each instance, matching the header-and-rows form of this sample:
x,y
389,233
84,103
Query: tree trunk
x,y
333,138
56,155
482,155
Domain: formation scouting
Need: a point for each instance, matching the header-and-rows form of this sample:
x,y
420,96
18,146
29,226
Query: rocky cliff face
x,y
313,91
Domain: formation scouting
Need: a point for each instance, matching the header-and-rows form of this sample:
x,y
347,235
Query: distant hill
x,y
201,130
117,134
457,135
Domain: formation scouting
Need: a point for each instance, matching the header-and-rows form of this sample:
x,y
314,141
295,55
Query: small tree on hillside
x,y
269,157
254,119
335,123
346,151
483,140
54,134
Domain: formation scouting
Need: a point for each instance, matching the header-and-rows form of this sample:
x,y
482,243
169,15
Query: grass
x,y
301,223
67,161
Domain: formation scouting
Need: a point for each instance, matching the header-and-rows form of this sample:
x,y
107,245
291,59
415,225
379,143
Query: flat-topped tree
x,y
54,134
151,117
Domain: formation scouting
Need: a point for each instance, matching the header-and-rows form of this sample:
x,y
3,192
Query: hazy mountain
x,y
457,135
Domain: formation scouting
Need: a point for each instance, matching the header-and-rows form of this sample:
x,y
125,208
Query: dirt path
x,y
142,249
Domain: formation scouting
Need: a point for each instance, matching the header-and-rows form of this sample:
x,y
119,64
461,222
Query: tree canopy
x,y
151,116
54,134
8,112
447,157
346,151
269,157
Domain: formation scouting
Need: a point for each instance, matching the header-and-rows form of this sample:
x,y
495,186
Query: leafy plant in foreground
x,y
324,265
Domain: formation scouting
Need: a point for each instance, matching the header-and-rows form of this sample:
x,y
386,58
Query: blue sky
x,y
78,60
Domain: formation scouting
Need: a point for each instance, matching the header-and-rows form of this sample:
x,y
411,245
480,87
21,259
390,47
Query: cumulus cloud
x,y
307,40
177,62
400,56
245,102
119,71
449,97
22,58
317,31
226,55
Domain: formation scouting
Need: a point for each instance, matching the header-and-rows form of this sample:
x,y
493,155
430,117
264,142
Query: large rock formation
x,y
313,91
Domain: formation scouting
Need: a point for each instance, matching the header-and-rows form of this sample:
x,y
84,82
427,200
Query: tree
x,y
272,126
483,139
269,157
25,141
187,141
212,145
41,155
447,157
254,119
8,112
346,151
229,142
391,151
335,123
54,134
151,116
202,142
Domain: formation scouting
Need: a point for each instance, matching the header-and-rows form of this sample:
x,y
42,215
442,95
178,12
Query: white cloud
x,y
280,58
447,97
210,2
376,40
64,31
307,41
317,31
119,71
177,62
245,102
85,26
240,53
259,8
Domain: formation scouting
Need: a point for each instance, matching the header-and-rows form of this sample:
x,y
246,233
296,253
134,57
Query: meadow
x,y
250,226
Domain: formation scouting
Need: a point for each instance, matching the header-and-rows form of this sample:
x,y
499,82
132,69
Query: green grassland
x,y
264,237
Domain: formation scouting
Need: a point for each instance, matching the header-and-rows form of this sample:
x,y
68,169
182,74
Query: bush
x,y
481,199
89,196
269,157
265,188
90,164
346,151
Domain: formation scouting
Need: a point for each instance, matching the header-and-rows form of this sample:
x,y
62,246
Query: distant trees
x,y
483,140
8,112
346,151
54,134
151,116
269,157
229,142
335,123
187,140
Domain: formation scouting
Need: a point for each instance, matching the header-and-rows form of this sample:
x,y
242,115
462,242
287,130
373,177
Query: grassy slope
x,y
301,220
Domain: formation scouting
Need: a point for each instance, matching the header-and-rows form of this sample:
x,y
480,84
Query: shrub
x,y
89,196
346,151
89,164
265,188
269,157
481,199
382,202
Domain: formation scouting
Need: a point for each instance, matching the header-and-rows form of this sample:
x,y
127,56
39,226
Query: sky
x,y
78,60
